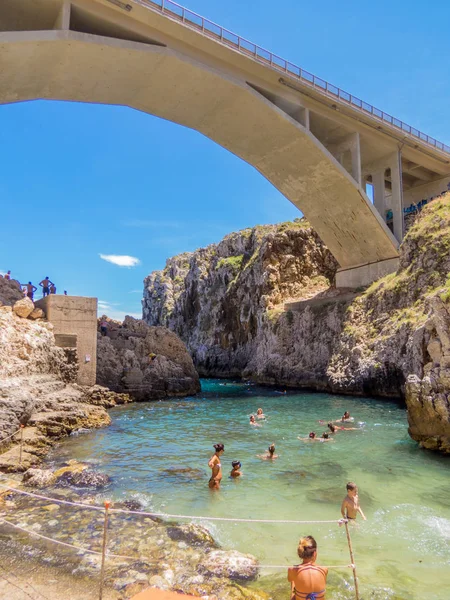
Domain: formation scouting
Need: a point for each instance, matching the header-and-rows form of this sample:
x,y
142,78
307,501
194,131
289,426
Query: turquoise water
x,y
158,453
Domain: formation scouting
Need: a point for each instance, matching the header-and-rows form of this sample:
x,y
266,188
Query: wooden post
x,y
21,444
105,533
353,560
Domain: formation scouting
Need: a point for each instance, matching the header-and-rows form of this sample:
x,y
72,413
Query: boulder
x,y
37,313
39,478
231,564
84,479
193,534
23,308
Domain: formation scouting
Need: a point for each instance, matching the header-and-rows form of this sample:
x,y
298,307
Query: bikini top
x,y
309,595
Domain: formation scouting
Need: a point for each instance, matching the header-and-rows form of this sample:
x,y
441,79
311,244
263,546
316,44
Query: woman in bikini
x,y
308,580
216,467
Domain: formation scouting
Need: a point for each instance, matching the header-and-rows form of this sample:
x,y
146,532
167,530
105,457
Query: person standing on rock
x,y
8,276
52,288
104,327
308,580
45,285
216,467
29,290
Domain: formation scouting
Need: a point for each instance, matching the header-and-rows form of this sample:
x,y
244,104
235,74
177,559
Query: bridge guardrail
x,y
219,33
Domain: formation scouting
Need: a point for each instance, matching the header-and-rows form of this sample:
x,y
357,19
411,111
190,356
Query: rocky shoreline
x,y
142,551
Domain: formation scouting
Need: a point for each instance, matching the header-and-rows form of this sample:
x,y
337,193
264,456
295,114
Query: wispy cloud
x,y
135,292
121,260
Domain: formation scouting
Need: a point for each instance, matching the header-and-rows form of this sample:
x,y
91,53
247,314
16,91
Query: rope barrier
x,y
135,558
10,436
108,510
166,515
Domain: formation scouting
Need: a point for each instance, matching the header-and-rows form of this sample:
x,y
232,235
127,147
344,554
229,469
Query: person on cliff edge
x,y
45,285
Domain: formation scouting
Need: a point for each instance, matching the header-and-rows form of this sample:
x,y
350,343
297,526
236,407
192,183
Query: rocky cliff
x,y
227,302
147,362
37,386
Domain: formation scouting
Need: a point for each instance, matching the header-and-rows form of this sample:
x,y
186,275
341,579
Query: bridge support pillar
x,y
379,191
363,275
349,144
397,195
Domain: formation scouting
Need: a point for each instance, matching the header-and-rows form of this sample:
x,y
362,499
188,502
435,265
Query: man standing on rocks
x,y
8,275
29,289
45,284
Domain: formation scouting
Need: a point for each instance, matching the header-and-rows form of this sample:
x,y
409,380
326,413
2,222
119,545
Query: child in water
x,y
271,453
350,505
236,470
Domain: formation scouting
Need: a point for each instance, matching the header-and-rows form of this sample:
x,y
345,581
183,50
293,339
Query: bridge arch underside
x,y
66,65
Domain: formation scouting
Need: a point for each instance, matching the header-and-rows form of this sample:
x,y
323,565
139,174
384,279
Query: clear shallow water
x,y
158,453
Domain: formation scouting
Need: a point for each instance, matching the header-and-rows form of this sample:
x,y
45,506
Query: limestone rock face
x,y
221,299
147,362
23,308
28,347
227,303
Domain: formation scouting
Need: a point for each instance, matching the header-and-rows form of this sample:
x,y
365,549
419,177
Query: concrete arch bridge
x,y
315,143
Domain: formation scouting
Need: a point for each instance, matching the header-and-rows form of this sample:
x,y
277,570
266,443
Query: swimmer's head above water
x,y
236,464
312,435
346,415
252,418
271,449
331,427
259,411
325,435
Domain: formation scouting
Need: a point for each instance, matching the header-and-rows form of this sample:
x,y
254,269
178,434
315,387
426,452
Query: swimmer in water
x,y
216,467
260,414
270,455
312,437
308,580
350,505
334,428
236,470
253,422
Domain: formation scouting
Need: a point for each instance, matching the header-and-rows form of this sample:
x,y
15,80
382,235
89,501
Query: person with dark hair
x,y
29,289
236,470
308,580
216,467
52,288
253,422
350,505
325,436
45,284
8,276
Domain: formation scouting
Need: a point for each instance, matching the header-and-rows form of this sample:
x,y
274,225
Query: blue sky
x,y
79,181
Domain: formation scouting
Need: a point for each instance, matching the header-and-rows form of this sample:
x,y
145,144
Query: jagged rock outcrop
x,y
227,304
10,292
147,362
218,298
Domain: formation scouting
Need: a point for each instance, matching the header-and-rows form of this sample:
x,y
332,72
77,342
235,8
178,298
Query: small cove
x,y
157,453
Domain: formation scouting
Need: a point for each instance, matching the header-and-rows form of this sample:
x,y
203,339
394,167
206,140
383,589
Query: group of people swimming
x,y
308,580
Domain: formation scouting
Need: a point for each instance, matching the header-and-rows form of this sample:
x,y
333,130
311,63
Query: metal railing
x,y
218,33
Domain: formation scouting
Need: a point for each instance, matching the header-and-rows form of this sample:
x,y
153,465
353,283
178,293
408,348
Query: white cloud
x,y
136,292
121,260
